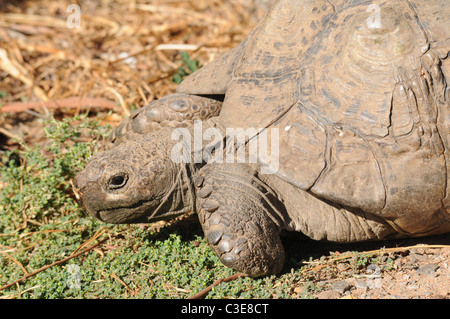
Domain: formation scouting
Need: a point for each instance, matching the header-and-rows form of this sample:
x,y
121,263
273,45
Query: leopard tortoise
x,y
354,93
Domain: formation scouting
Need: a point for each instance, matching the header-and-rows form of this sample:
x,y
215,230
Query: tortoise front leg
x,y
174,110
239,219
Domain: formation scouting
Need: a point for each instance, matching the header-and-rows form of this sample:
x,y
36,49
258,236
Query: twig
x,y
52,264
181,11
71,102
96,235
18,263
36,20
18,71
123,105
387,250
50,231
376,251
20,292
9,134
147,49
40,232
205,291
113,275
179,47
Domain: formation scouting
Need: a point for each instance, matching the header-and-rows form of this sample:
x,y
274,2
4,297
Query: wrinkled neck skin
x,y
180,193
180,198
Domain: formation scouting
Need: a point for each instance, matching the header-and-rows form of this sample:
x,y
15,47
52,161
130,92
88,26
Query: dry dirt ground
x,y
416,268
118,58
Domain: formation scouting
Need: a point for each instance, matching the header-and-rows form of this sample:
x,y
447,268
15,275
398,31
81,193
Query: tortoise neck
x,y
188,152
187,189
181,194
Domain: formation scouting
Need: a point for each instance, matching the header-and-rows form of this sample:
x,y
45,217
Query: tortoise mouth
x,y
124,210
125,217
110,207
137,212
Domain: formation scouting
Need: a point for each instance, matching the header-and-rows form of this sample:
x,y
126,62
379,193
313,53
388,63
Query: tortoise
x,y
354,93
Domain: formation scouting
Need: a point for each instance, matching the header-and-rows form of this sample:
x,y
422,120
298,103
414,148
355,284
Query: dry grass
x,y
122,57
124,54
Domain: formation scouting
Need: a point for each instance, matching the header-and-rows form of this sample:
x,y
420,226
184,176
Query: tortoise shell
x,y
358,91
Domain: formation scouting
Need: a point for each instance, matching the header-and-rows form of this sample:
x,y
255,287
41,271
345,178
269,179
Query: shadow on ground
x,y
299,248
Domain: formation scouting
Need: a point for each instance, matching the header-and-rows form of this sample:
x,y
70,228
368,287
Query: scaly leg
x,y
240,217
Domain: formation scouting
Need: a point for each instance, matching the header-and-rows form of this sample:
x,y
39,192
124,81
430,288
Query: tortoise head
x,y
129,183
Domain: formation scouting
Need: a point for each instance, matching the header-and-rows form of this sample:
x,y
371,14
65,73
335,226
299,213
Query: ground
x,y
408,269
123,55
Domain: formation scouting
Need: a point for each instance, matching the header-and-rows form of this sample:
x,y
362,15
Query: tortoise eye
x,y
118,181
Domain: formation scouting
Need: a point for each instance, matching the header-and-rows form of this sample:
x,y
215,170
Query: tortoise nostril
x,y
117,181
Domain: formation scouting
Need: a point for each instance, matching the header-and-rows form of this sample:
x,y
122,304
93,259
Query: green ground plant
x,y
41,224
188,67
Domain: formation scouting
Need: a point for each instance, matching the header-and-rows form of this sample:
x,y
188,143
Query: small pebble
x,y
361,284
341,266
329,294
341,286
429,270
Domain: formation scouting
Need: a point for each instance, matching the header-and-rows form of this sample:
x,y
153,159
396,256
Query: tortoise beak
x,y
79,195
77,192
87,194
